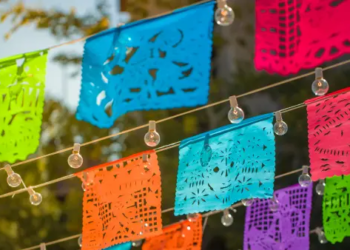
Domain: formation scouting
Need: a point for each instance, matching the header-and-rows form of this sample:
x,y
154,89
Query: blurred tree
x,y
22,225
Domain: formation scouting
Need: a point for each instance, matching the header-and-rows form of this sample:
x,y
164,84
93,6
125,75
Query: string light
x,y
192,217
137,243
145,161
274,204
13,179
35,198
236,114
247,202
42,246
75,160
280,127
276,84
152,138
304,178
80,241
320,86
321,236
227,218
224,14
320,187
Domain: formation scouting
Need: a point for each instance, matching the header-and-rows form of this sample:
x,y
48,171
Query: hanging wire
x,y
160,149
189,112
144,19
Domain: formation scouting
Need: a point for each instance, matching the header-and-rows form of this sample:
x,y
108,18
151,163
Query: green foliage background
x,y
59,215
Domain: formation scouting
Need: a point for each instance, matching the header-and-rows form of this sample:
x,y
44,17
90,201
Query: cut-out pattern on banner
x,y
22,87
185,235
336,208
287,228
226,165
124,246
122,201
329,134
158,63
287,36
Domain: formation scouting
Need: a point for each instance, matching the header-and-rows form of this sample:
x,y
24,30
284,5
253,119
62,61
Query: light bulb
x,y
280,127
83,186
247,202
320,86
320,187
80,241
75,160
192,217
34,198
304,178
137,243
224,15
152,138
145,162
274,204
227,219
236,114
13,179
321,236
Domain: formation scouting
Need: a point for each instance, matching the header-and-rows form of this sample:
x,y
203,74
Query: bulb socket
x,y
76,148
42,246
305,169
221,3
8,169
30,190
233,101
145,158
152,125
318,73
278,116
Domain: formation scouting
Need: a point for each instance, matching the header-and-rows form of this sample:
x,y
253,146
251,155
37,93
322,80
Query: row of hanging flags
x,y
164,63
122,199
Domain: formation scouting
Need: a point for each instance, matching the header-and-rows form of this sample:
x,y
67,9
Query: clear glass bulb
x,y
320,187
247,202
137,243
192,217
304,180
321,236
75,160
14,180
83,186
35,198
152,138
235,115
80,241
320,87
227,219
224,16
274,205
280,128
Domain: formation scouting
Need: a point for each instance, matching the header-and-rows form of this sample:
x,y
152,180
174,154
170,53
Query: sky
x,y
58,83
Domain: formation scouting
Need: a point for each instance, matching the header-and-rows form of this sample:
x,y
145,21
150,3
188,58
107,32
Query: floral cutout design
x,y
287,36
287,228
122,201
241,166
158,63
329,137
184,235
22,91
336,208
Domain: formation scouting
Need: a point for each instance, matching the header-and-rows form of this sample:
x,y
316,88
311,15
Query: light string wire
x,y
186,113
205,216
161,149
